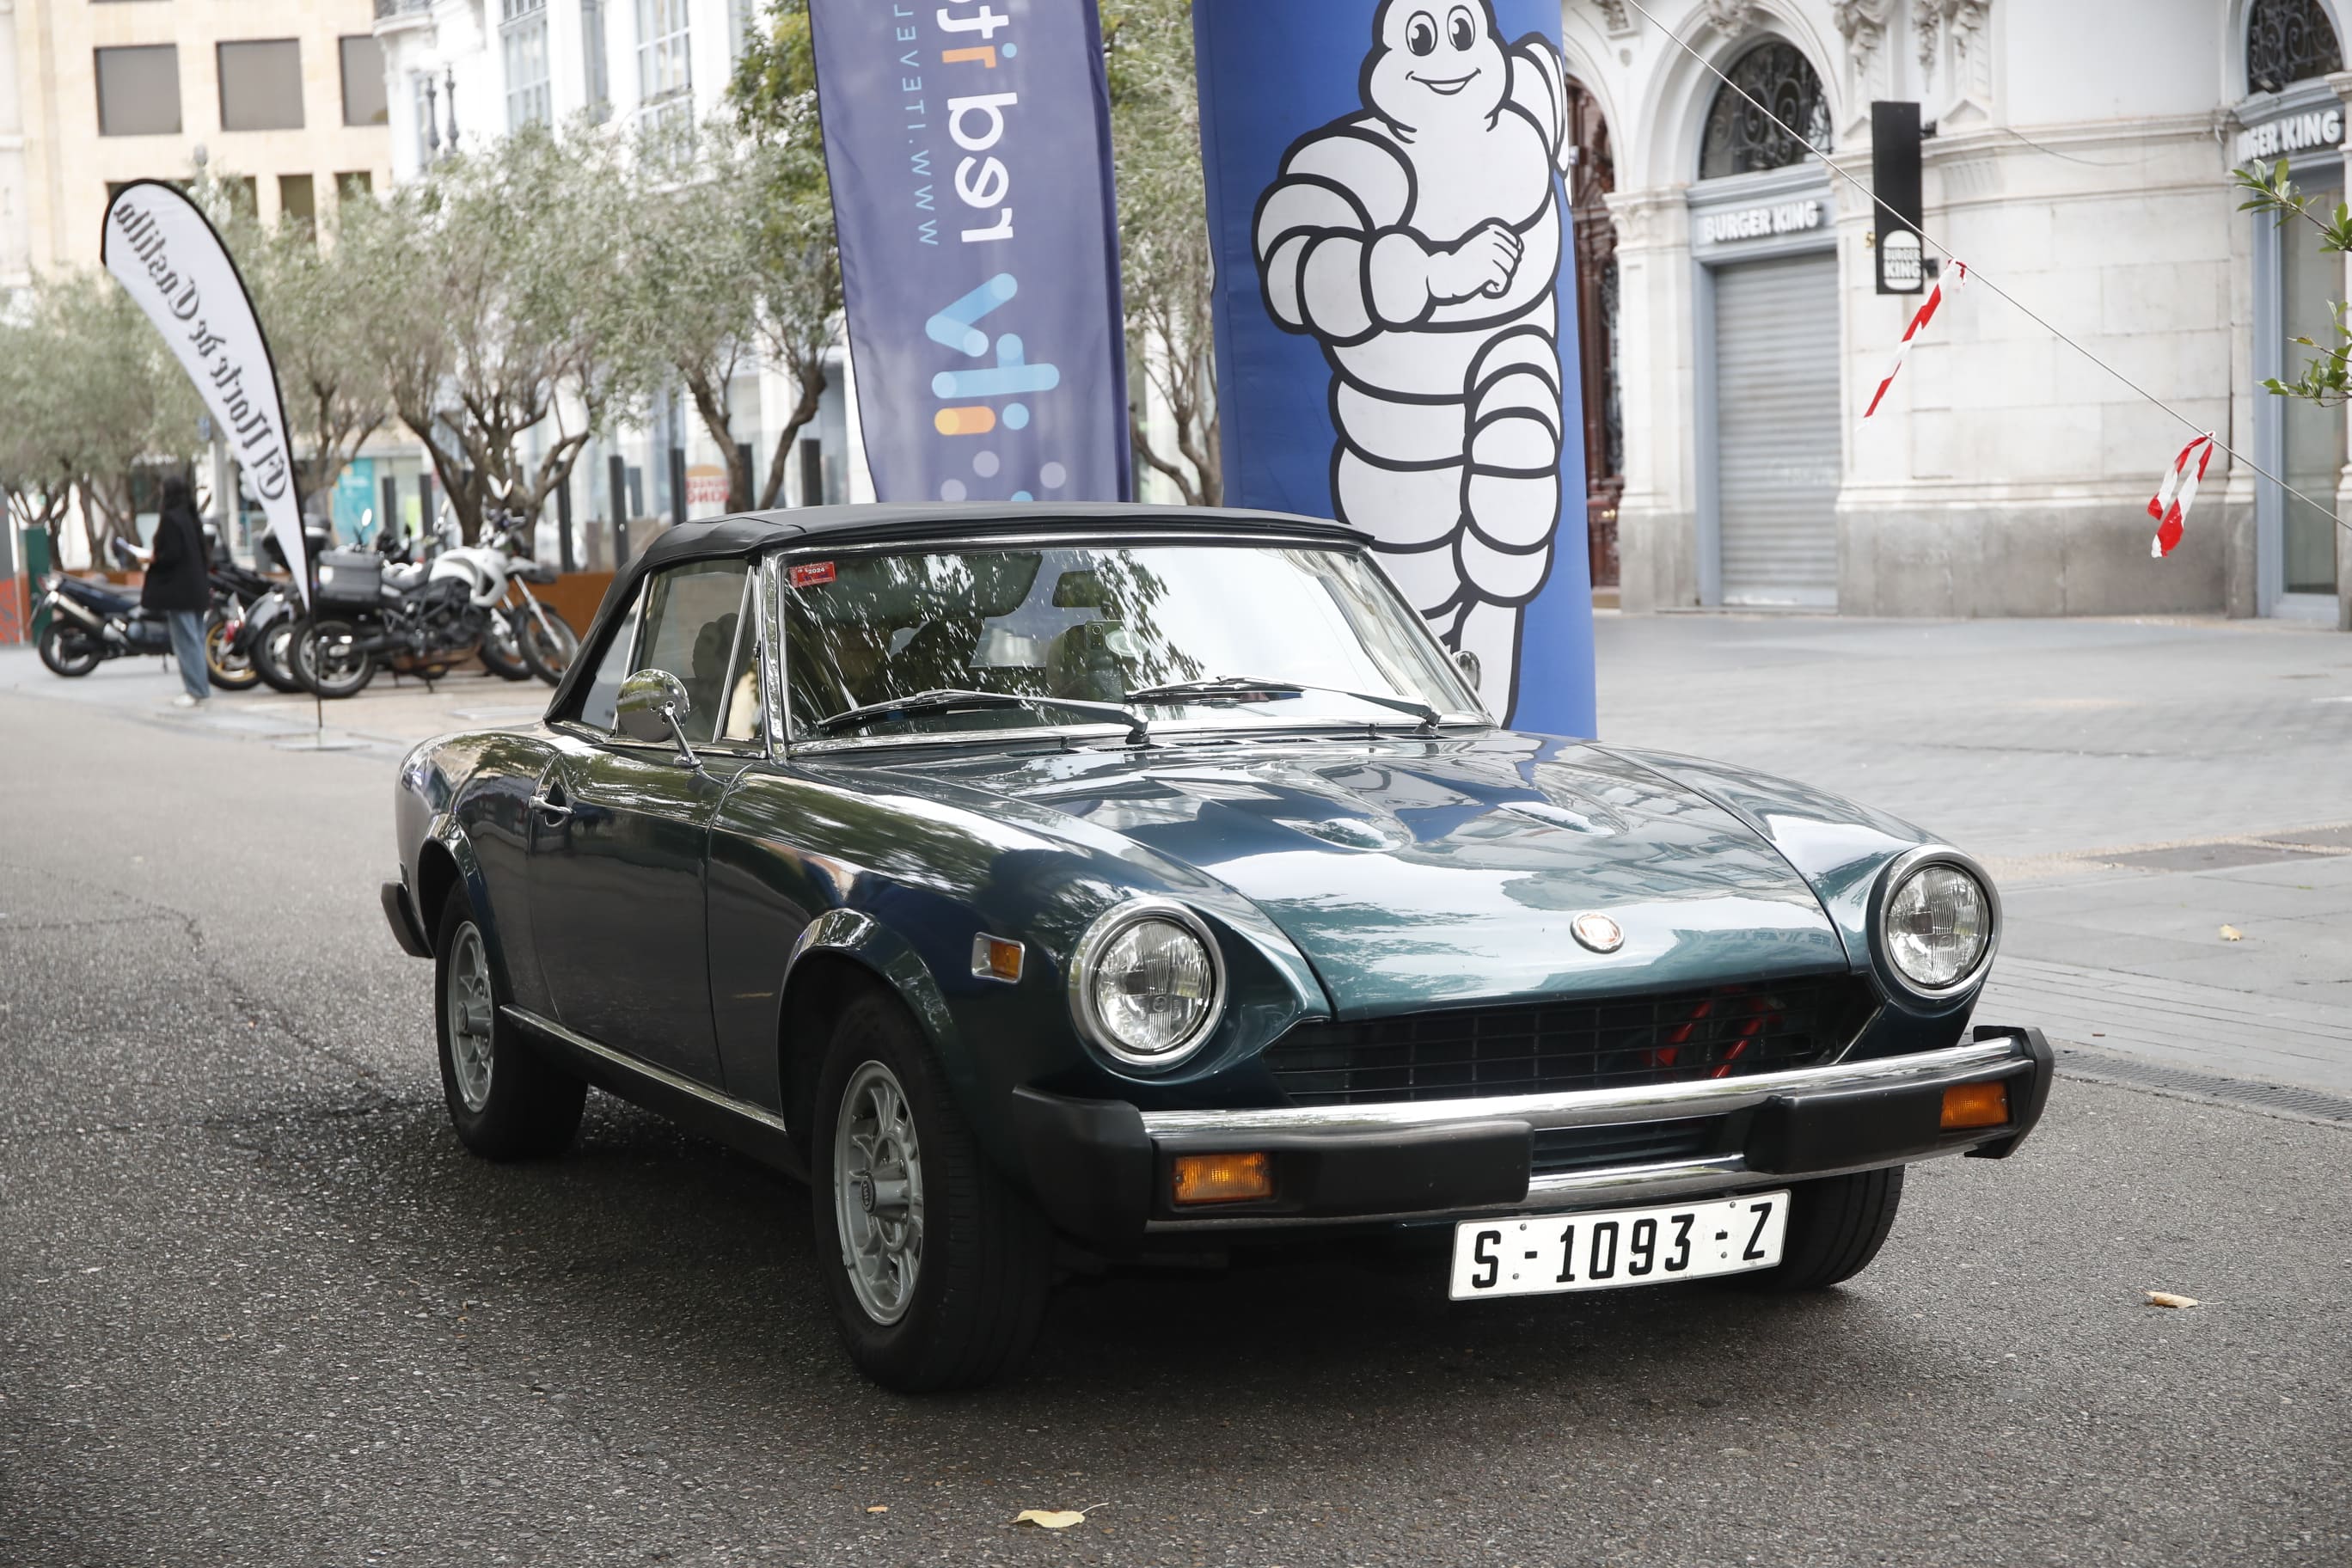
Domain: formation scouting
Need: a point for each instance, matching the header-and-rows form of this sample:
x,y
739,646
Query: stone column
x,y
1657,520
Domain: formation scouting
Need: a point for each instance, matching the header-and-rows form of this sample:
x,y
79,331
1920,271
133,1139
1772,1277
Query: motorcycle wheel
x,y
548,649
328,658
501,652
271,653
230,670
67,652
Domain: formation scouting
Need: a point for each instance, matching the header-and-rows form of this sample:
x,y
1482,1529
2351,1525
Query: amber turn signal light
x,y
1975,1105
1223,1178
994,958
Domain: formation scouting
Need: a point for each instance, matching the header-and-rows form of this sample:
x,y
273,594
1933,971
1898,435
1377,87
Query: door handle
x,y
553,810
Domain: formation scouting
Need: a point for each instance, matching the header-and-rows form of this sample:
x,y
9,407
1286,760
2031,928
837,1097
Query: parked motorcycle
x,y
90,623
424,617
228,642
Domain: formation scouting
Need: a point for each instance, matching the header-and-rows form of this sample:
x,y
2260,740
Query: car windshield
x,y
1302,635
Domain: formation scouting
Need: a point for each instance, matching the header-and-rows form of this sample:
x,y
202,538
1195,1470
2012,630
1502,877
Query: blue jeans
x,y
188,647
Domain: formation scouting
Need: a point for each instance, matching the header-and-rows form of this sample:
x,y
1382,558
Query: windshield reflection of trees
x,y
1093,623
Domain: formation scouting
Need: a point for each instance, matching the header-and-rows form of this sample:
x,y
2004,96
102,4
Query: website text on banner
x,y
1396,336
161,248
968,147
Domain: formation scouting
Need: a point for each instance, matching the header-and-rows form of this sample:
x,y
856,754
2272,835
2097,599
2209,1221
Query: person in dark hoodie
x,y
179,587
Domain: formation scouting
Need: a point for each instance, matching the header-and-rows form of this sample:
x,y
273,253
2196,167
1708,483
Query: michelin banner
x,y
161,247
1396,331
968,147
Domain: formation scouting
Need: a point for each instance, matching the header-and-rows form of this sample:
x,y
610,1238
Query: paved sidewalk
x,y
2136,787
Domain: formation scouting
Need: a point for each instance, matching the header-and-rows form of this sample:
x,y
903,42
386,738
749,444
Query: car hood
x,y
1410,871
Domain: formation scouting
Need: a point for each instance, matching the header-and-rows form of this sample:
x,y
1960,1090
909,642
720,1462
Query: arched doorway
x,y
1768,329
1593,176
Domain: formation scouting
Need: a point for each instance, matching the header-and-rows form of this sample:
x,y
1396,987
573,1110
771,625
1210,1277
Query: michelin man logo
x,y
1419,242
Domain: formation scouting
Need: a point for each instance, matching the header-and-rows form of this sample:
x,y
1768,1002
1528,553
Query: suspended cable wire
x,y
1976,275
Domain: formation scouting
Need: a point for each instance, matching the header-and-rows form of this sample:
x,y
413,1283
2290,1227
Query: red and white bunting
x,y
1920,318
2175,491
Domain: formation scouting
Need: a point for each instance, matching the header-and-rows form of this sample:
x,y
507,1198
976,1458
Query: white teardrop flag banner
x,y
160,246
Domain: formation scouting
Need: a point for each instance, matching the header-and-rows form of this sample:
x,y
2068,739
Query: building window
x,y
740,16
261,85
139,90
1740,139
354,186
664,80
363,102
2289,41
243,194
297,203
598,85
522,39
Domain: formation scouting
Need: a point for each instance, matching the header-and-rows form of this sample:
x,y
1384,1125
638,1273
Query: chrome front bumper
x,y
1102,1168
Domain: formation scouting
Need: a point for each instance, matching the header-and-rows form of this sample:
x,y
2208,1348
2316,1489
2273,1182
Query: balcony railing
x,y
385,10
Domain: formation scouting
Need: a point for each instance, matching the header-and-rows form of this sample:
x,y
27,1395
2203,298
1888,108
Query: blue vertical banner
x,y
968,142
1395,310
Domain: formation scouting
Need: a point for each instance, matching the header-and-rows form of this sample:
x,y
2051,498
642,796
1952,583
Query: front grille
x,y
1553,1150
1545,1048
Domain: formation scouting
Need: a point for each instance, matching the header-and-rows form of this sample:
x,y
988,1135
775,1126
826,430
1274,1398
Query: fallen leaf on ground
x,y
2167,1299
879,1508
1050,1517
2231,934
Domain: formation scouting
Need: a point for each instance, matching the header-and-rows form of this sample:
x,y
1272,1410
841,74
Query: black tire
x,y
548,650
500,655
985,1264
228,669
531,1107
67,651
272,650
349,667
1836,1226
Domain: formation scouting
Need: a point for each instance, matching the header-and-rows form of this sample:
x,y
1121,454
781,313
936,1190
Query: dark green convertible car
x,y
1055,886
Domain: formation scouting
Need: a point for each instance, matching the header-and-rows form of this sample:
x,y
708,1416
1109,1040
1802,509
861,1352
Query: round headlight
x,y
1938,925
1146,984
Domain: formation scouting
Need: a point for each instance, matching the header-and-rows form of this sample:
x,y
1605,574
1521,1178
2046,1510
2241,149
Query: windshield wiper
x,y
950,700
1250,686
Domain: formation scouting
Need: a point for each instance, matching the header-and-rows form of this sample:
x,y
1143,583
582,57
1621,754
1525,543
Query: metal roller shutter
x,y
1776,421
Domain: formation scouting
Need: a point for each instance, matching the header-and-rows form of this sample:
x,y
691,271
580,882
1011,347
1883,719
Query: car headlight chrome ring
x,y
1934,923
1148,983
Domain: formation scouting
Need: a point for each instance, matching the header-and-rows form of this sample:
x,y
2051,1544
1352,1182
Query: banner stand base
x,y
319,742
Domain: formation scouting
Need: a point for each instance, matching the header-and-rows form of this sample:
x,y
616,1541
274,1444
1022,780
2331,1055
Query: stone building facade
x,y
284,96
2079,159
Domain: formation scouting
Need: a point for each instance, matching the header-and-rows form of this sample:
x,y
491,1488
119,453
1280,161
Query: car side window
x,y
701,628
598,705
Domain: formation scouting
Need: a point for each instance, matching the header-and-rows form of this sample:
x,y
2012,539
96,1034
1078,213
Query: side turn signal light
x,y
1223,1178
994,958
1975,1105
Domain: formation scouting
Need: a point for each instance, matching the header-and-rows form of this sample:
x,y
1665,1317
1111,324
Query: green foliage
x,y
87,390
1166,262
2327,378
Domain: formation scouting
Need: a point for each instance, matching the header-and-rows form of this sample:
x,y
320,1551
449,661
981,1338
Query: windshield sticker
x,y
813,574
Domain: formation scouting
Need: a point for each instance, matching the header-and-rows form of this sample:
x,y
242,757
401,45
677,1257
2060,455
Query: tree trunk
x,y
812,380
718,419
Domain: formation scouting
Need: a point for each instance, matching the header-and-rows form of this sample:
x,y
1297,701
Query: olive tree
x,y
1167,265
731,264
493,295
88,389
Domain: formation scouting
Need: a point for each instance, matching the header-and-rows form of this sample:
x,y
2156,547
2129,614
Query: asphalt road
x,y
257,1306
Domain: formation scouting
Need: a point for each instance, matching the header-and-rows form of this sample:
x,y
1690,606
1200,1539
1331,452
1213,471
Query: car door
x,y
620,842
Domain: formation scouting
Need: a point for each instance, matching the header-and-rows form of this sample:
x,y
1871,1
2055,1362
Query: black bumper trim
x,y
400,913
1103,1176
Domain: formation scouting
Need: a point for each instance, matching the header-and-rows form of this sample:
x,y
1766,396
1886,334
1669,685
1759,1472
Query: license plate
x,y
1602,1250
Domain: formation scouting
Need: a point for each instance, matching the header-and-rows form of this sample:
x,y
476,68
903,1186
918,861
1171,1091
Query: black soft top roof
x,y
752,532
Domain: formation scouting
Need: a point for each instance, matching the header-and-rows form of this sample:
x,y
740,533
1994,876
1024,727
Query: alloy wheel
x,y
878,1191
469,1005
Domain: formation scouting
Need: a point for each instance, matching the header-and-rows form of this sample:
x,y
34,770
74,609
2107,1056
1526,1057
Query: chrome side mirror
x,y
652,706
1467,663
